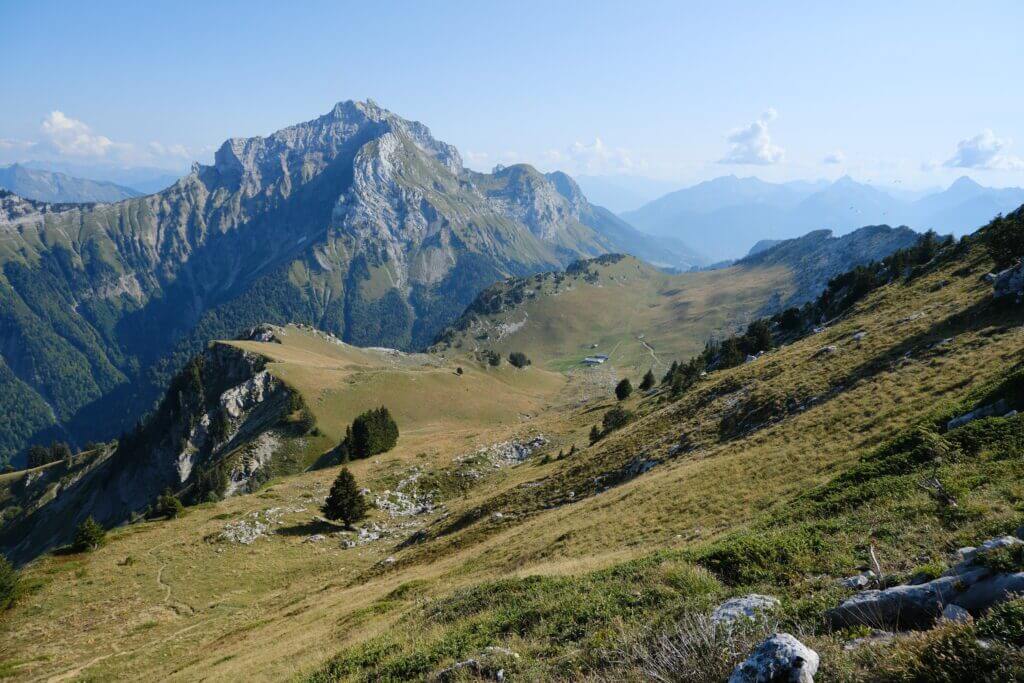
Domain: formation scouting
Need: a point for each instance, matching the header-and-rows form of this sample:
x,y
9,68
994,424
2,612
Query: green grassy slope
x,y
772,476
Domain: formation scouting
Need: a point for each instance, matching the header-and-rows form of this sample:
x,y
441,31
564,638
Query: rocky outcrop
x,y
781,658
1009,283
221,411
998,408
970,584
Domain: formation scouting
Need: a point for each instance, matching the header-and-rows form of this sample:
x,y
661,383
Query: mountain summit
x,y
359,222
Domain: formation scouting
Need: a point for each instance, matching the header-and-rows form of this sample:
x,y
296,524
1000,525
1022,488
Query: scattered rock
x,y
1000,407
781,658
857,336
315,538
825,351
859,581
956,614
745,607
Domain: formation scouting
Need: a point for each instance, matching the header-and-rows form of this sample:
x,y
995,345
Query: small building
x,y
596,359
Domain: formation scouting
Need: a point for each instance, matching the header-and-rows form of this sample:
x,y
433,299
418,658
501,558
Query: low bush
x,y
1004,622
773,557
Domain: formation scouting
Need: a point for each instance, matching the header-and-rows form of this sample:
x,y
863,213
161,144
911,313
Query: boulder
x,y
781,658
1009,283
744,607
969,586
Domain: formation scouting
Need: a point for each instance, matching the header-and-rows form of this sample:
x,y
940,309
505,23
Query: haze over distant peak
x,y
724,217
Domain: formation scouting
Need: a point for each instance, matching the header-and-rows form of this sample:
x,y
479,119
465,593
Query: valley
x,y
521,543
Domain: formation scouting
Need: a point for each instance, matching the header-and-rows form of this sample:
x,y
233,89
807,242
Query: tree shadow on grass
x,y
313,526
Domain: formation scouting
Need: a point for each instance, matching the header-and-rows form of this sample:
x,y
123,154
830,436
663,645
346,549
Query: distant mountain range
x,y
723,218
142,179
620,193
51,186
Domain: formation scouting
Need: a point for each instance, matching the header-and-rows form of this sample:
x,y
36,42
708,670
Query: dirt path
x,y
657,361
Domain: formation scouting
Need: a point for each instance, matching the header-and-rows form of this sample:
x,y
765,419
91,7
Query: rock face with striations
x,y
358,222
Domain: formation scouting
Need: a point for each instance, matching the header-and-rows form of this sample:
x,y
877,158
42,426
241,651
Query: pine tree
x,y
88,536
647,382
345,501
623,389
595,435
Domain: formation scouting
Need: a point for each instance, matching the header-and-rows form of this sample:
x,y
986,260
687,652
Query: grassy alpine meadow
x,y
578,560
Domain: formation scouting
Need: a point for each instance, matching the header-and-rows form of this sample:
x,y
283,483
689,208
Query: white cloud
x,y
71,137
162,150
64,138
753,144
836,157
984,151
595,158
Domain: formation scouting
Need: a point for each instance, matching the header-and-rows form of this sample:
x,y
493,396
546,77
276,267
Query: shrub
x,y
615,418
373,432
167,505
647,382
623,389
595,435
1004,622
518,359
345,501
8,583
88,536
774,558
493,359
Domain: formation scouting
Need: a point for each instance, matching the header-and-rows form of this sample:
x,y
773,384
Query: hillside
x,y
235,410
644,318
51,186
358,222
780,476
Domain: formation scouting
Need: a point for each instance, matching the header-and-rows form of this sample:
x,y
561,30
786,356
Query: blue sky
x,y
912,92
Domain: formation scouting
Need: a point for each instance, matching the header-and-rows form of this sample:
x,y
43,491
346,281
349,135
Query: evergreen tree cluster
x,y
1004,238
42,455
372,432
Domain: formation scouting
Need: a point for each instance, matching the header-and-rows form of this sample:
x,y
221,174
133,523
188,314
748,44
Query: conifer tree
x,y
647,382
623,389
88,536
345,502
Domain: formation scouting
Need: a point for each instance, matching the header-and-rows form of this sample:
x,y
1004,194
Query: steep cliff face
x,y
358,222
216,432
